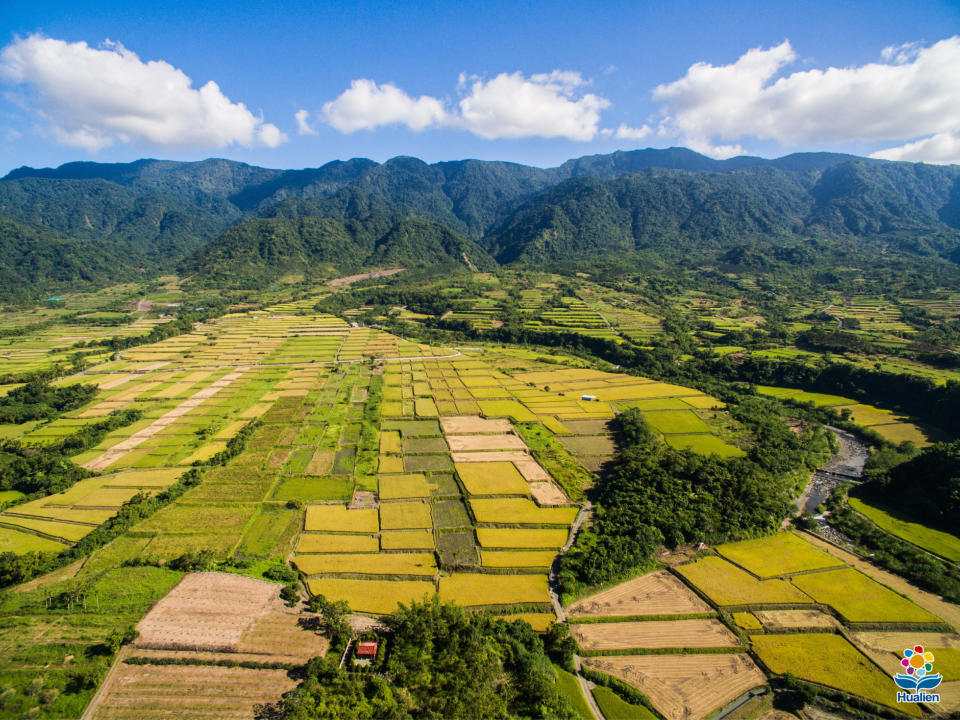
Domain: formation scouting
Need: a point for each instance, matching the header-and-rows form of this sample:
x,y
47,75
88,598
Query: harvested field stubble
x,y
137,691
205,611
653,634
684,687
788,619
656,593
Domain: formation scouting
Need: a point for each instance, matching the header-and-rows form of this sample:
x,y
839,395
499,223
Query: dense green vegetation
x,y
36,260
38,400
655,494
926,487
656,208
260,251
443,663
892,553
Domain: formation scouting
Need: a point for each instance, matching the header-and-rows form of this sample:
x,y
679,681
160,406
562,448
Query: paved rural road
x,y
585,685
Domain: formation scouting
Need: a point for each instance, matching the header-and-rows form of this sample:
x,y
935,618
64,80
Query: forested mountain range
x,y
206,217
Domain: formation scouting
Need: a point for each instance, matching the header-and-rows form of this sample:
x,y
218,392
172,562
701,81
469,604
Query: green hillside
x,y
262,250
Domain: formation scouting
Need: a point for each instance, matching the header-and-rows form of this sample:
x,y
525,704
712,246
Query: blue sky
x,y
535,83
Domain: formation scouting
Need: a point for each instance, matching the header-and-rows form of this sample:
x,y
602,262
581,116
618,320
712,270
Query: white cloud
x,y
303,124
625,132
911,94
509,105
366,105
545,105
939,148
93,98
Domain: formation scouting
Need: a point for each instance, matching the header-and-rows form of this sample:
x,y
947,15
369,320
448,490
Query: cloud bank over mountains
x,y
509,105
913,92
906,103
93,98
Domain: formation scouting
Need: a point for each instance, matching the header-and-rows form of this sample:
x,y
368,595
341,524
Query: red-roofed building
x,y
367,650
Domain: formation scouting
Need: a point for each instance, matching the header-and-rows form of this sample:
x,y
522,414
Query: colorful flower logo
x,y
918,666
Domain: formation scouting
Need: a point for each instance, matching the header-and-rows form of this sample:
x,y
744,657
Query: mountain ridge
x,y
674,201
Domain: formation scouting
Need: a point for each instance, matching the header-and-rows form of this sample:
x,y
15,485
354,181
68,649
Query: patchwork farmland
x,y
387,471
758,608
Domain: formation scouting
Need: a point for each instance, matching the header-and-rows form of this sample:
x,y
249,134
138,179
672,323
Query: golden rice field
x,y
830,660
471,589
519,511
337,518
727,584
491,478
332,543
860,599
522,538
405,515
777,555
407,540
399,563
373,596
517,558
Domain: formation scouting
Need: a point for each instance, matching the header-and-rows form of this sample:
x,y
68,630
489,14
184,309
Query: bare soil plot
x,y
602,445
468,443
133,692
206,611
657,593
789,619
587,427
684,687
546,493
472,424
653,634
